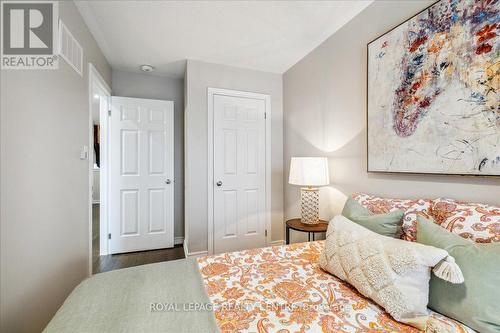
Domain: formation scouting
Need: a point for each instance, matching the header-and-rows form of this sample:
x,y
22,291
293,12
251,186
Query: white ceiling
x,y
264,35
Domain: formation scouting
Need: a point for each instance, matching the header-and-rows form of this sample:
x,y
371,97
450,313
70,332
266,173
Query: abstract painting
x,y
433,92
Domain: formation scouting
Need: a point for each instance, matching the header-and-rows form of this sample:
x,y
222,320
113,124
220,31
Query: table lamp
x,y
309,172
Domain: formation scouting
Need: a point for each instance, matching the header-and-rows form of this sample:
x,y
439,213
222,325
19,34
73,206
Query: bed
x,y
272,289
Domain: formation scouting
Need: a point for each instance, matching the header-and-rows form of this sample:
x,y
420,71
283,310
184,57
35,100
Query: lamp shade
x,y
309,171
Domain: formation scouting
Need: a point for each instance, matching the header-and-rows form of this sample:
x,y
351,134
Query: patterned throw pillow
x,y
419,207
477,222
412,208
392,272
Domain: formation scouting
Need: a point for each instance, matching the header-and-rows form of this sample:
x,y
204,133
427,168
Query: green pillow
x,y
388,224
476,302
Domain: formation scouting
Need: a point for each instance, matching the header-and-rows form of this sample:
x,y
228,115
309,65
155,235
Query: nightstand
x,y
311,229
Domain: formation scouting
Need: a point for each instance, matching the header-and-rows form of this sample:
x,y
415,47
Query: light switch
x,y
84,153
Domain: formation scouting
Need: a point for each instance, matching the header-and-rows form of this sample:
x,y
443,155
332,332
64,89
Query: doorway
x,y
239,170
99,97
131,180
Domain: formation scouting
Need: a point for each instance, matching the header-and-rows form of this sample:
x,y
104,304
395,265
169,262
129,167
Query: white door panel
x,y
240,167
141,162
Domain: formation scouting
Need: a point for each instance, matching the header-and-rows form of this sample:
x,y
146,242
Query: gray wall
x,y
44,189
324,115
150,86
199,77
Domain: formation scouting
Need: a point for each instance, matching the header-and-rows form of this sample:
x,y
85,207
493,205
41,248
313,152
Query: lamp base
x,y
309,205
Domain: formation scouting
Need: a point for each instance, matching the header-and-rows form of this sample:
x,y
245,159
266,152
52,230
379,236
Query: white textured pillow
x,y
392,272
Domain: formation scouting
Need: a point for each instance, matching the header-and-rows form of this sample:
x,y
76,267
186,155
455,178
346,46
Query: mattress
x,y
283,289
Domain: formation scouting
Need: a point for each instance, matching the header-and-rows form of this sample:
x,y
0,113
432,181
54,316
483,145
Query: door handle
x,y
219,183
168,181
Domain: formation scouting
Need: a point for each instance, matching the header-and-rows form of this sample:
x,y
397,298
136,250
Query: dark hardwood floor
x,y
124,260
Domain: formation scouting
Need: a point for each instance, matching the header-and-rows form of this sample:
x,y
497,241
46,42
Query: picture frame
x,y
442,154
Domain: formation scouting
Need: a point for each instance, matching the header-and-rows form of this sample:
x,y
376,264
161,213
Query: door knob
x,y
219,183
168,181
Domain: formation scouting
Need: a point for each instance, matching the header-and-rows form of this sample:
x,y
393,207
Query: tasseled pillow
x,y
392,272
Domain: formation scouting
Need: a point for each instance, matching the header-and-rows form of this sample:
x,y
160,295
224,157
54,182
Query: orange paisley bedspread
x,y
282,289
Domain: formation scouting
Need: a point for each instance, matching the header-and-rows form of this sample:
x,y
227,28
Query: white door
x,y
239,159
141,189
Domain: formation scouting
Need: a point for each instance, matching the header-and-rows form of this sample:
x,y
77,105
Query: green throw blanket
x,y
162,297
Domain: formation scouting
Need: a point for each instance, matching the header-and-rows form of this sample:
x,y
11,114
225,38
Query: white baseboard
x,y
277,242
197,254
193,254
178,240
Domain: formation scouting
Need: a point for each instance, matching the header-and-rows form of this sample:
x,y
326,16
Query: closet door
x,y
239,156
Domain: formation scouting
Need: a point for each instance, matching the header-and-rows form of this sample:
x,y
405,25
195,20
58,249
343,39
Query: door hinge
x,y
265,233
109,112
265,115
109,236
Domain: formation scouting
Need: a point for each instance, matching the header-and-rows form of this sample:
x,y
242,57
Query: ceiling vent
x,y
69,48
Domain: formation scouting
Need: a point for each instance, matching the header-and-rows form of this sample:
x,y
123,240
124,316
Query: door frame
x,y
95,78
211,92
